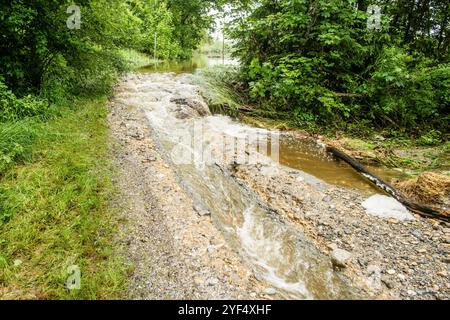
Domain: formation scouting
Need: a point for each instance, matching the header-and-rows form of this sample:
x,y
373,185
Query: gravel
x,y
177,252
391,258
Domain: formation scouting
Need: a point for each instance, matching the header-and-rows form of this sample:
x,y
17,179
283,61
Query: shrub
x,y
318,61
13,108
409,90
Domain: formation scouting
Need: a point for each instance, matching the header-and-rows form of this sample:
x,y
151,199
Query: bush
x,y
409,90
16,140
318,61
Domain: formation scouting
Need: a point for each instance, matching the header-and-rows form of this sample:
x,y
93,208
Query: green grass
x,y
134,59
214,87
55,212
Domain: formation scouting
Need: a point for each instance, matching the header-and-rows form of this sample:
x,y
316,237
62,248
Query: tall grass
x,y
215,85
56,212
16,141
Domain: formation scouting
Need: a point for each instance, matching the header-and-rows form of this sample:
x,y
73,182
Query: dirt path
x,y
179,253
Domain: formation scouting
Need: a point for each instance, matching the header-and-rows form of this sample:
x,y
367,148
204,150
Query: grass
x,y
213,85
16,141
388,148
134,59
55,212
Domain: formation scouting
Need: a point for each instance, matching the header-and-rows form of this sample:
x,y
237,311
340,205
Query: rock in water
x,y
386,207
340,257
270,291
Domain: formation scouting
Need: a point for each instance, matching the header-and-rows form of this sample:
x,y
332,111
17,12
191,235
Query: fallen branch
x,y
383,185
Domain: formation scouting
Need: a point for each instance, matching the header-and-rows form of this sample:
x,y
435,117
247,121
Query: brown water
x,y
294,153
185,66
279,253
306,156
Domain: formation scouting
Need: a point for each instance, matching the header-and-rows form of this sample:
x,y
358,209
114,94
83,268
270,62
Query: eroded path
x,y
176,251
223,229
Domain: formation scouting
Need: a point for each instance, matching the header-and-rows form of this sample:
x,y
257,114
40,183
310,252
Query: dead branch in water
x,y
383,185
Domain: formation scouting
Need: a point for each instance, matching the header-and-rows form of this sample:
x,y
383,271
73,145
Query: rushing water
x,y
298,154
278,252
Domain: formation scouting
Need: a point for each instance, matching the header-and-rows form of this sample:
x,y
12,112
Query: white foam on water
x,y
266,252
226,125
382,206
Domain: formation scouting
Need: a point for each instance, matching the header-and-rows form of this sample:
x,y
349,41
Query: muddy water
x,y
306,156
294,153
278,252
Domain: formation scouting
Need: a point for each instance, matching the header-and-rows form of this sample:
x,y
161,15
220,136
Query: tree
x,y
316,60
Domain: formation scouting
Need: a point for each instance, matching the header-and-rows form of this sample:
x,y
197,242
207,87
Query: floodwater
x,y
295,153
198,61
278,252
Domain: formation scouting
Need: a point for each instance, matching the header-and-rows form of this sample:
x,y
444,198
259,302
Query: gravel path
x,y
176,253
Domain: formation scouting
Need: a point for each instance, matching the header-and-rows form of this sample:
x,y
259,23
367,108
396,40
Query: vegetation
x,y
217,88
54,211
55,173
330,63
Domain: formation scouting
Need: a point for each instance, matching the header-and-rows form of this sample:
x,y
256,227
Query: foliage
x,y
410,91
318,61
36,41
16,140
190,19
430,138
13,109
